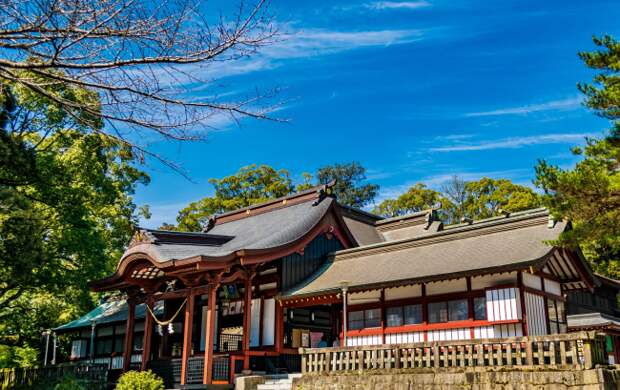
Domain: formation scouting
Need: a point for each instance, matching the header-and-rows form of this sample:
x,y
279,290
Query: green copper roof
x,y
106,313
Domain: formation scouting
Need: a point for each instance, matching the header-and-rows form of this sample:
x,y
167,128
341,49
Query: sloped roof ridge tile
x,y
523,219
405,217
181,233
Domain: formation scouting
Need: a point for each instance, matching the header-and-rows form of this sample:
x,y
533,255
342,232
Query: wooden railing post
x,y
529,356
588,360
304,369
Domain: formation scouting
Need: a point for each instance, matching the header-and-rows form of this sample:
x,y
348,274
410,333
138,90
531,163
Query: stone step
x,y
276,381
274,386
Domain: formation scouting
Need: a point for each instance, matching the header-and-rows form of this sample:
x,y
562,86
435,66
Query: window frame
x,y
365,319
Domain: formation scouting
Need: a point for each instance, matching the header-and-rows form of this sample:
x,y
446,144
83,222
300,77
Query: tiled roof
x,y
265,230
512,242
592,321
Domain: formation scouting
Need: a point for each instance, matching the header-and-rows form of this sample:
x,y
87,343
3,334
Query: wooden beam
x,y
148,335
187,335
131,311
209,334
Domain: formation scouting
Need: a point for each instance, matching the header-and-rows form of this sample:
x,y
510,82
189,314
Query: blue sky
x,y
414,90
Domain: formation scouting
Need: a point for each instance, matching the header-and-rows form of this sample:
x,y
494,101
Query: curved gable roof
x,y
263,231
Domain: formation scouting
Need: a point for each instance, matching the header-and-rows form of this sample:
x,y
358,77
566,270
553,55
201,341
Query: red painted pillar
x,y
131,311
247,323
209,335
187,335
148,335
279,326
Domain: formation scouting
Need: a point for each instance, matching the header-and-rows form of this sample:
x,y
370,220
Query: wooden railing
x,y
92,376
581,350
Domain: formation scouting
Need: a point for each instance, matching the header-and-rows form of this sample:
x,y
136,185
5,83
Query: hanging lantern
x,y
170,328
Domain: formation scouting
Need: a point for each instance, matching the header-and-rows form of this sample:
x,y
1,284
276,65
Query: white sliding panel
x,y
255,323
503,304
536,316
269,321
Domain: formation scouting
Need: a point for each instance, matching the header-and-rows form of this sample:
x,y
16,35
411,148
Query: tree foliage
x,y
66,211
479,199
350,186
589,194
144,380
417,198
489,197
256,184
250,185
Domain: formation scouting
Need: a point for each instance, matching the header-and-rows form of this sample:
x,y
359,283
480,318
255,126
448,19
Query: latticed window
x,y
557,316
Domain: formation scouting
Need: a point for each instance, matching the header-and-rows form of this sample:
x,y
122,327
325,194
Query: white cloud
x,y
315,42
513,142
381,5
293,44
562,104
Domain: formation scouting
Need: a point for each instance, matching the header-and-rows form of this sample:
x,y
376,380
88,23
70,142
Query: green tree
x,y
417,198
66,210
255,184
250,185
351,188
489,197
479,199
589,194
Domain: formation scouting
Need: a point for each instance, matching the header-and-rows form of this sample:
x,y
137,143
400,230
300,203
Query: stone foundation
x,y
469,378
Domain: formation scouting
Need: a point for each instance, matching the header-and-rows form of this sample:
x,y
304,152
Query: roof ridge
x,y
405,217
295,198
538,210
503,224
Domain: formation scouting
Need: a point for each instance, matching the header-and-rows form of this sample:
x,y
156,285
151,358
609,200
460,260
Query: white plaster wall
x,y
445,287
532,281
364,340
403,292
364,297
486,281
449,334
553,287
404,338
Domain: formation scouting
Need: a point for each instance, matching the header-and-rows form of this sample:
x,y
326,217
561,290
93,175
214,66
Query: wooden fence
x,y
581,350
94,376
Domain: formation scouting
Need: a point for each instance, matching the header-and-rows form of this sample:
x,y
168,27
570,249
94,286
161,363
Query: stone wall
x,y
469,378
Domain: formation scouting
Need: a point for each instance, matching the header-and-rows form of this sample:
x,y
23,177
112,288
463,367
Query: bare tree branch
x,y
140,57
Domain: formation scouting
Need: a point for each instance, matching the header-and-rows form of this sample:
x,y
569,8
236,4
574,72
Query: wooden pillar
x,y
187,335
131,311
424,309
247,322
209,334
383,314
470,307
279,326
148,335
522,299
